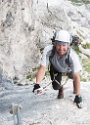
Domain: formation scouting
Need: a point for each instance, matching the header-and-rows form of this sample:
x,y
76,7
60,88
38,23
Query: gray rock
x,y
28,26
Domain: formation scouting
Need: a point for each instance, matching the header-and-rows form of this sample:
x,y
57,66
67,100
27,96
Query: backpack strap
x,y
52,53
67,60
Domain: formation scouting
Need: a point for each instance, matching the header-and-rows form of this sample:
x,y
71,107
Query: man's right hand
x,y
36,86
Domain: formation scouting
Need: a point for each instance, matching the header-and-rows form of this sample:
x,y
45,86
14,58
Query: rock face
x,y
26,26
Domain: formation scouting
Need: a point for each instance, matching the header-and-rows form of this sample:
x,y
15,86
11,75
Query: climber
x,y
62,59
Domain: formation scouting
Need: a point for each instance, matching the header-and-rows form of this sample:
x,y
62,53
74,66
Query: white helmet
x,y
63,37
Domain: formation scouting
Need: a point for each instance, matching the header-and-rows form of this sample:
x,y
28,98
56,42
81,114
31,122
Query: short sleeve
x,y
46,54
76,61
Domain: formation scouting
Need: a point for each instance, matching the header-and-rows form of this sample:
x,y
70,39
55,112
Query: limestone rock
x,y
26,26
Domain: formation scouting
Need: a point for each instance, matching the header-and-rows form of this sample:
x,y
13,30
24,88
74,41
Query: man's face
x,y
62,49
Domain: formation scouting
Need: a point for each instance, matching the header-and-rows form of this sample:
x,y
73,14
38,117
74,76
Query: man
x,y
62,59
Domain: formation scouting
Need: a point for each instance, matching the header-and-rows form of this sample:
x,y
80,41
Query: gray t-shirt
x,y
59,63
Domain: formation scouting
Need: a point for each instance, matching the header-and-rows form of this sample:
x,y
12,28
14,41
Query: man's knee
x,y
70,75
55,85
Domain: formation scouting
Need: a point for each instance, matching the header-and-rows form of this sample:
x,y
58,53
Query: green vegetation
x,y
86,65
76,49
86,46
83,79
19,84
30,76
79,33
41,50
35,68
80,1
47,73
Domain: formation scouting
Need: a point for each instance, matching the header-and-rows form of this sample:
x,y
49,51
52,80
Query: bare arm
x,y
76,77
40,74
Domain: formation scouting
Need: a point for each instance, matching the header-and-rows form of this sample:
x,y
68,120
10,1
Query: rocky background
x,y
26,26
